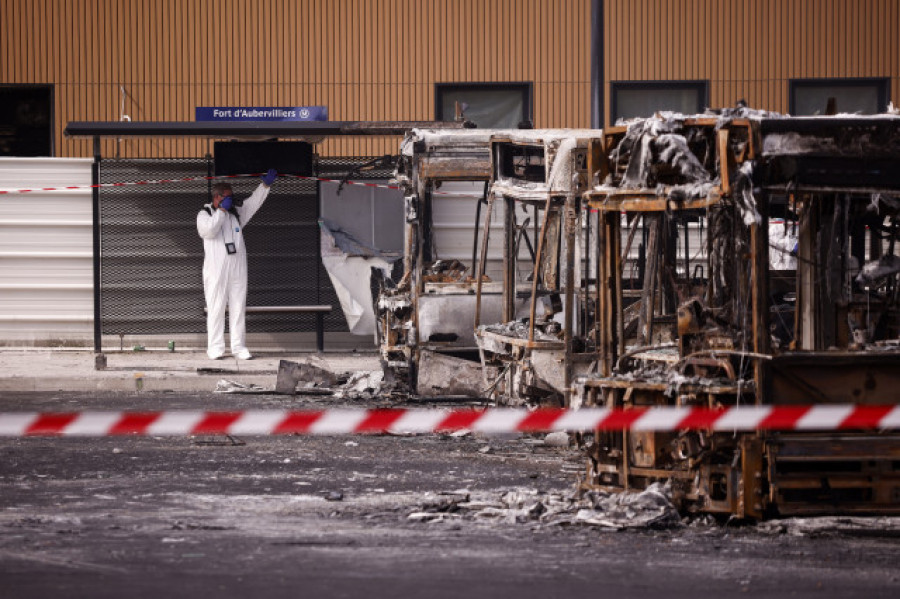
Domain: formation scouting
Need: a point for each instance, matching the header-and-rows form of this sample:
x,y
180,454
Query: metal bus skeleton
x,y
647,276
716,325
540,343
425,321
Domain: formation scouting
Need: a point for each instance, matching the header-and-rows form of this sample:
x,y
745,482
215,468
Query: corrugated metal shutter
x,y
45,253
152,257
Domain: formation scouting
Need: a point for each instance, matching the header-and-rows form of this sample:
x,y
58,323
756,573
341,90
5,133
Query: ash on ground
x,y
649,509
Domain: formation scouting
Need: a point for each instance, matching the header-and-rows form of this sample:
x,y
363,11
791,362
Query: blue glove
x,y
226,202
269,177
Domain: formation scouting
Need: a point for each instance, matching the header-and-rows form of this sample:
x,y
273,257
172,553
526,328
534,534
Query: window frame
x,y
700,85
526,88
882,84
52,112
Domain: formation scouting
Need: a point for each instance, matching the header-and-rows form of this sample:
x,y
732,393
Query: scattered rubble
x,y
558,439
649,509
888,527
362,385
227,386
311,373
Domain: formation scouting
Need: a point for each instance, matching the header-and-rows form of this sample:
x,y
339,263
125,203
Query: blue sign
x,y
261,113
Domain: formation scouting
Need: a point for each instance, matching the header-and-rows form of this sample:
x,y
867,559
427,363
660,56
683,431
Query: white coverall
x,y
782,245
224,274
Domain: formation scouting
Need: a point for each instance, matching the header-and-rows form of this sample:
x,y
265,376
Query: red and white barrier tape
x,y
186,179
493,420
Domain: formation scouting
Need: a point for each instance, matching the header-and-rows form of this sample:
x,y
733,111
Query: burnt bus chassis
x,y
519,367
432,157
831,172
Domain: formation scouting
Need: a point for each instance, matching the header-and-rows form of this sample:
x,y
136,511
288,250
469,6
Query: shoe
x,y
244,354
215,355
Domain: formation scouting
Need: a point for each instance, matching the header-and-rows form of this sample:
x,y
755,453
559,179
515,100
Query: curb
x,y
150,382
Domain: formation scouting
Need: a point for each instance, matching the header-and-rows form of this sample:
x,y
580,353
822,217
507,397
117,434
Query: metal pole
x,y
481,200
597,74
571,239
95,209
537,267
320,318
482,260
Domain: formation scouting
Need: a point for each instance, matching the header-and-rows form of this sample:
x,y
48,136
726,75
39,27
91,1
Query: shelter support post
x,y
95,213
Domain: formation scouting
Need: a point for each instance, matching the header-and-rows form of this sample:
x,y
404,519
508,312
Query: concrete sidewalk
x,y
156,371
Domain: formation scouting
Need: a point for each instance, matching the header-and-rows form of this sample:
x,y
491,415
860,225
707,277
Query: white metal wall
x,y
373,215
46,291
453,218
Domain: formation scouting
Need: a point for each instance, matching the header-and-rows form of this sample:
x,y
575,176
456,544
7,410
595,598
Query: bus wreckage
x,y
456,273
425,320
766,272
731,258
533,353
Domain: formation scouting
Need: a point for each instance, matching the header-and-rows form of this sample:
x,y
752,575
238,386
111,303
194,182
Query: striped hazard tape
x,y
493,420
188,179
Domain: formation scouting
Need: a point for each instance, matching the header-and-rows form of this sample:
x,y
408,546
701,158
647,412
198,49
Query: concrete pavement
x,y
152,370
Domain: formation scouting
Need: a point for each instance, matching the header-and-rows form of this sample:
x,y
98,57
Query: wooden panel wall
x,y
750,49
364,59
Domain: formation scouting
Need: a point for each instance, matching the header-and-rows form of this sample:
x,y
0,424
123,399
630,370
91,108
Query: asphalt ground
x,y
299,516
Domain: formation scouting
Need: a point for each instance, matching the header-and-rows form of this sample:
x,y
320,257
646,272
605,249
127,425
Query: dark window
x,y
832,96
26,120
488,105
632,99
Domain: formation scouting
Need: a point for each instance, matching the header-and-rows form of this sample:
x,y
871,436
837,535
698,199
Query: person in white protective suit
x,y
221,225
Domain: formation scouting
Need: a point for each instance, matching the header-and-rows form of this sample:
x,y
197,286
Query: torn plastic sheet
x,y
349,264
782,245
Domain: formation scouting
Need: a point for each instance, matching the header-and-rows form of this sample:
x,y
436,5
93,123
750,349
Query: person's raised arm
x,y
256,199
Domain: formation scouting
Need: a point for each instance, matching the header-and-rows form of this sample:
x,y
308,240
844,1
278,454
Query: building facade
x,y
786,56
107,60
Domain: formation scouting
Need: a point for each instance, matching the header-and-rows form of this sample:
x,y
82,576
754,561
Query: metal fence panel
x,y
152,257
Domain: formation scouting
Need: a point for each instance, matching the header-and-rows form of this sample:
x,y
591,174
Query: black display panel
x,y
247,157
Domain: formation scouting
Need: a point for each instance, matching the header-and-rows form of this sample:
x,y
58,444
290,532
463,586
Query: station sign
x,y
260,113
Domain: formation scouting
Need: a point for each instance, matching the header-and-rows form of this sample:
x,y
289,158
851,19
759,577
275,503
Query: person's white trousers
x,y
225,286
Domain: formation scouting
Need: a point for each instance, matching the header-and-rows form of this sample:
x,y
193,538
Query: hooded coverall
x,y
224,274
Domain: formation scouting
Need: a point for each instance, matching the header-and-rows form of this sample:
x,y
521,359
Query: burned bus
x,y
748,259
426,319
532,352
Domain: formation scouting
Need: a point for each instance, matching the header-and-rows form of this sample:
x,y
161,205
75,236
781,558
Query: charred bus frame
x,y
530,355
425,322
736,331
